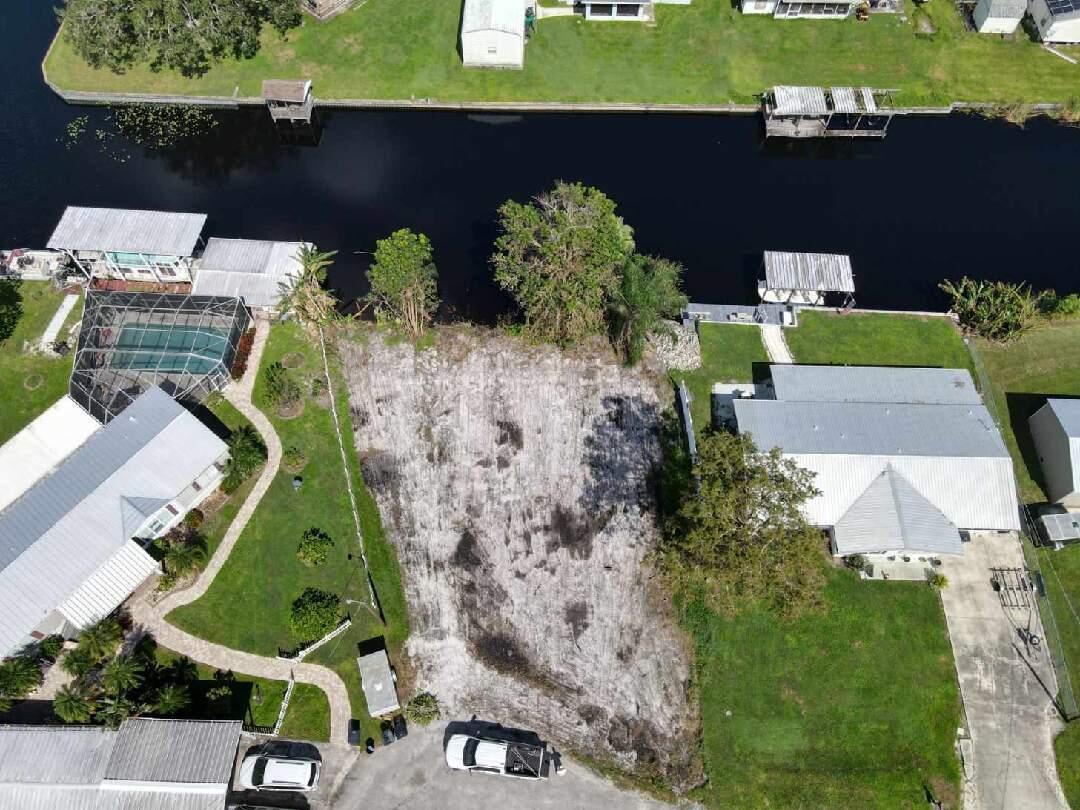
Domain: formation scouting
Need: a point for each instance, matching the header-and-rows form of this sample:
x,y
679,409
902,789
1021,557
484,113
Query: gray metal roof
x,y
378,683
174,751
1067,413
891,515
163,233
68,755
1061,527
843,99
250,269
791,100
821,272
70,523
1008,9
946,386
295,91
507,16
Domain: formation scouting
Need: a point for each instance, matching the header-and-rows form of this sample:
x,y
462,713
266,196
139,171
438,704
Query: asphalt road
x,y
411,773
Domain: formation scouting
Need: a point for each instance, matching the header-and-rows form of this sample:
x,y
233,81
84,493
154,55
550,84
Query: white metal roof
x,y
799,100
507,16
821,272
105,589
163,233
1061,527
67,526
874,384
844,100
378,683
250,269
891,515
39,447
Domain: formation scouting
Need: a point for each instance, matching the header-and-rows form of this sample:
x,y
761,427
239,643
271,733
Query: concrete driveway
x,y
411,773
1006,687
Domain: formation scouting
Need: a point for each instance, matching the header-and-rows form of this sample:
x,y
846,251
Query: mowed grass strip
x,y
857,707
247,607
704,53
39,301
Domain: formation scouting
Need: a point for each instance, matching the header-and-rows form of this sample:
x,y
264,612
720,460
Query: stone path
x,y
151,615
56,323
775,345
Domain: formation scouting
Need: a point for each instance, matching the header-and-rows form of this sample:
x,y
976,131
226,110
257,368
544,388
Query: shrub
x,y
314,546
422,709
294,458
246,454
243,352
318,386
194,519
49,648
281,386
938,581
314,613
19,677
1061,306
995,310
186,553
856,562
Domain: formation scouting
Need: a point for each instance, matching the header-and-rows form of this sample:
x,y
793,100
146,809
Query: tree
x,y
306,296
171,699
281,387
314,614
100,640
115,709
185,553
650,290
19,677
11,308
404,282
247,452
121,675
559,257
183,670
184,35
315,545
74,704
995,310
78,662
740,537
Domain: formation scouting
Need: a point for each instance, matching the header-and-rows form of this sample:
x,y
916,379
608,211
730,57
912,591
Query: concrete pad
x,y
1007,688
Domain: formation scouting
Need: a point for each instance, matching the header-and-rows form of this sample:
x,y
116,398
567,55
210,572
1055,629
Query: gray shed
x,y
1055,428
378,682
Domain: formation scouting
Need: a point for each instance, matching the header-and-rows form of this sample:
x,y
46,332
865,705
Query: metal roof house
x,y
67,555
147,764
898,472
493,33
998,16
1055,428
116,243
805,278
1057,20
130,342
250,269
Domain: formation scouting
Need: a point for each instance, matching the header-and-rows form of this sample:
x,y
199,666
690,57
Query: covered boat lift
x,y
806,278
819,112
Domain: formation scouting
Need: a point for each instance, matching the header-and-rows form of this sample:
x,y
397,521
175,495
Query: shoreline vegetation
x,y
706,54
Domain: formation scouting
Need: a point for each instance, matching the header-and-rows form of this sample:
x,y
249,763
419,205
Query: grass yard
x,y
705,53
247,607
854,708
855,339
1067,748
40,301
728,354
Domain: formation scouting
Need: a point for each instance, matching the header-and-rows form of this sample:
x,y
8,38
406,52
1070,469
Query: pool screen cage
x,y
129,342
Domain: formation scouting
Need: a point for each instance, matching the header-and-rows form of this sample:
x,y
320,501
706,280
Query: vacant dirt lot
x,y
517,484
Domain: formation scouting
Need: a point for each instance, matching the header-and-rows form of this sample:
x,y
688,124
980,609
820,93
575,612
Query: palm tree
x,y
100,640
186,556
78,662
19,677
121,674
171,699
184,670
115,710
305,296
73,704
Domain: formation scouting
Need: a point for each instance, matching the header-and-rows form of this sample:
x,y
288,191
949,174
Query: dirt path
x,y
152,615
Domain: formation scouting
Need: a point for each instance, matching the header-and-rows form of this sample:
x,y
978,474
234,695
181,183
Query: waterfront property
x,y
1055,430
1057,20
818,112
114,243
805,278
255,271
146,764
493,33
130,342
904,459
69,557
998,16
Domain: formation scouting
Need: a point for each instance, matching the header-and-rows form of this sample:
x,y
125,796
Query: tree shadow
x,y
621,468
11,306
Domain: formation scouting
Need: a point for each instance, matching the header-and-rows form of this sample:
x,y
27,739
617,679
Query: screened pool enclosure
x,y
130,342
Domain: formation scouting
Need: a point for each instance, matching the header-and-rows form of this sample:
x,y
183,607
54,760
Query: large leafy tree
x,y
739,534
559,256
10,307
650,290
314,613
184,35
404,281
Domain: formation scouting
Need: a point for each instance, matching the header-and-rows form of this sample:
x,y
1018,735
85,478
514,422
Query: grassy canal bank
x,y
707,53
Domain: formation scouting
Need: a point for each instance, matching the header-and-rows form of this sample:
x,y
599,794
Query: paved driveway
x,y
411,773
1006,688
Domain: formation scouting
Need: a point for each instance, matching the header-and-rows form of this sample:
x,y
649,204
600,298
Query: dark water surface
x,y
939,197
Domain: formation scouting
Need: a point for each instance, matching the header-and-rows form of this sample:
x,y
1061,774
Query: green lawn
x,y
39,302
876,340
1067,747
706,53
854,708
217,522
728,354
262,576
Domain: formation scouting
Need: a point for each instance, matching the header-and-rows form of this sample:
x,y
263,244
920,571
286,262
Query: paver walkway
x,y
775,344
56,323
151,615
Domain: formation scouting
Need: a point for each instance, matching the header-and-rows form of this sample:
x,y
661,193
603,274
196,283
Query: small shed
x,y
288,100
805,278
998,16
1057,20
493,34
378,682
1055,429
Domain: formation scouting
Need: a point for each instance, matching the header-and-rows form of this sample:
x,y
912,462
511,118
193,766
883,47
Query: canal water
x,y
939,197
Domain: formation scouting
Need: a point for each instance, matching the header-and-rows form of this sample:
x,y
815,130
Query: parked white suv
x,y
260,771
